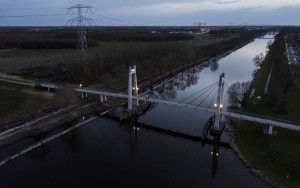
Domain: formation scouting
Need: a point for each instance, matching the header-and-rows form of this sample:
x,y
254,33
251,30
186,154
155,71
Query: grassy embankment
x,y
19,100
277,157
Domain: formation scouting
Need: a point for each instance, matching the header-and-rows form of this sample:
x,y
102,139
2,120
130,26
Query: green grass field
x,y
117,46
278,157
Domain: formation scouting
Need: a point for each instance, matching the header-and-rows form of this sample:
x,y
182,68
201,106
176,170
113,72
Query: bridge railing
x,y
265,117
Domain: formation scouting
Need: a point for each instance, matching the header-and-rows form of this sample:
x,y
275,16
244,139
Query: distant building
x,y
201,31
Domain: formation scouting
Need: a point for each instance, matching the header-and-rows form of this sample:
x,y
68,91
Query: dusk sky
x,y
156,12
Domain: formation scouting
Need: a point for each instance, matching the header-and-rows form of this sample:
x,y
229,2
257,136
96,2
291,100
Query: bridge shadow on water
x,y
214,141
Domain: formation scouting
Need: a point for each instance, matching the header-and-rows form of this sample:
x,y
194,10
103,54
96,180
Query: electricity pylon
x,y
200,24
81,21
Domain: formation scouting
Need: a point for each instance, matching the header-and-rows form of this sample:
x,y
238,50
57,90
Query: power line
x,y
114,19
31,15
106,21
71,10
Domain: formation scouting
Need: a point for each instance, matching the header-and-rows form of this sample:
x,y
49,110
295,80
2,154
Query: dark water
x,y
105,153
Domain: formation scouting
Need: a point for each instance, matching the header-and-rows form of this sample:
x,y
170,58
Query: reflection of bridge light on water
x,y
212,153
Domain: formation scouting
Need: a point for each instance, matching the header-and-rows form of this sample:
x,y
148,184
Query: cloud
x,y
175,8
228,2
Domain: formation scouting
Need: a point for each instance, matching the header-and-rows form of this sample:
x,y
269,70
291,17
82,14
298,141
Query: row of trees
x,y
65,37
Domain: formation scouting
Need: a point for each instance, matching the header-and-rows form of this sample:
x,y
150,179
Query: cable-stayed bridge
x,y
217,109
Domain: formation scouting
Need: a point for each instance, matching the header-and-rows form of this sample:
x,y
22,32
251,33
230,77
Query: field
x,y
19,100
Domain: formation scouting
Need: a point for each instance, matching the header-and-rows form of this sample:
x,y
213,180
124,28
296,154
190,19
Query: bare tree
x,y
67,97
238,94
258,60
288,79
214,66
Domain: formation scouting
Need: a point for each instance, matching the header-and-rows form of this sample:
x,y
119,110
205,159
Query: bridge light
x,y
80,85
215,105
221,105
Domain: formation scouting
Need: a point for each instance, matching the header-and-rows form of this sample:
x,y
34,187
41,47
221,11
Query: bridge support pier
x,y
270,131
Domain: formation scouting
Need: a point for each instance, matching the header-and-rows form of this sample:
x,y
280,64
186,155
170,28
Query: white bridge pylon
x,y
132,78
220,102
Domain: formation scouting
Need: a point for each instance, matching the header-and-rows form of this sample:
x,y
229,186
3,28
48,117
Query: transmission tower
x,y
81,22
200,24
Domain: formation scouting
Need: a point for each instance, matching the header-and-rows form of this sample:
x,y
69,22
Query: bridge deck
x,y
242,116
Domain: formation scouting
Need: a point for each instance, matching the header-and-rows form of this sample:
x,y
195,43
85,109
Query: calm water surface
x,y
105,153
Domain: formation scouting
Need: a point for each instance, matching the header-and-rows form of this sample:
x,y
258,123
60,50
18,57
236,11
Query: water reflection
x,y
133,132
133,129
214,66
168,91
215,156
72,141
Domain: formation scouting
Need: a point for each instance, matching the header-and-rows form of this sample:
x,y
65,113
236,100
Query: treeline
x,y
65,37
138,34
228,30
35,38
293,36
282,77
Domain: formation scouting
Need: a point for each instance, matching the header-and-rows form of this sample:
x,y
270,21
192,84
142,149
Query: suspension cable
x,y
206,96
203,94
211,102
208,87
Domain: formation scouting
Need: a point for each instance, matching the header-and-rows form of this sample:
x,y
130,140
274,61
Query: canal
x,y
106,153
